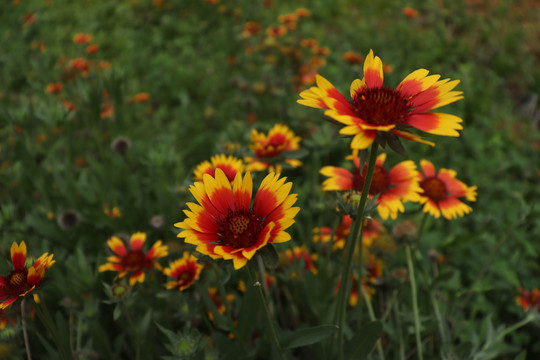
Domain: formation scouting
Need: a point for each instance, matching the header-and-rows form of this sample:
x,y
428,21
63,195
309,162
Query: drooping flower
x,y
133,261
22,280
529,299
224,223
394,186
229,164
184,271
272,148
140,97
386,114
442,191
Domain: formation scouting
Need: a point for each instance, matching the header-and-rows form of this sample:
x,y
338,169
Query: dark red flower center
x,y
136,260
239,229
434,189
275,146
16,282
380,183
383,106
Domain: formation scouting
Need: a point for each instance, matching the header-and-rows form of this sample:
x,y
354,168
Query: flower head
x,y
529,299
229,164
184,271
225,224
272,148
82,38
54,88
394,186
22,280
442,191
133,261
383,113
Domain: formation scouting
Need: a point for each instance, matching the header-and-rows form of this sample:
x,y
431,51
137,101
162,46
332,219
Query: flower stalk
x,y
355,235
264,304
414,299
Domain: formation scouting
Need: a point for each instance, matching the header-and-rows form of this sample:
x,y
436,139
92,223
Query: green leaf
x,y
269,256
363,341
307,336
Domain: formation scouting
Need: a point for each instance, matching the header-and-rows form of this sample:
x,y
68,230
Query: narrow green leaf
x,y
307,336
363,341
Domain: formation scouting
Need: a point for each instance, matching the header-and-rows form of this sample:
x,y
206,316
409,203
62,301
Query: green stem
x,y
355,234
414,301
400,332
25,332
516,326
438,316
372,318
264,304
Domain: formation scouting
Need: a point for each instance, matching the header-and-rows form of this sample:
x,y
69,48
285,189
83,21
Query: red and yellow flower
x,y
394,186
133,261
22,280
386,114
442,191
230,165
184,271
54,88
372,229
224,224
529,299
272,148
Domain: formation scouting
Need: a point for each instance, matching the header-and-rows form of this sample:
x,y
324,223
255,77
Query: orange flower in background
x,y
395,186
320,50
272,148
386,114
529,300
352,57
301,252
104,65
140,97
276,31
372,229
80,64
38,45
230,166
82,38
251,28
90,49
69,105
226,224
302,13
54,88
29,19
288,18
184,271
309,43
442,191
410,12
133,261
22,280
